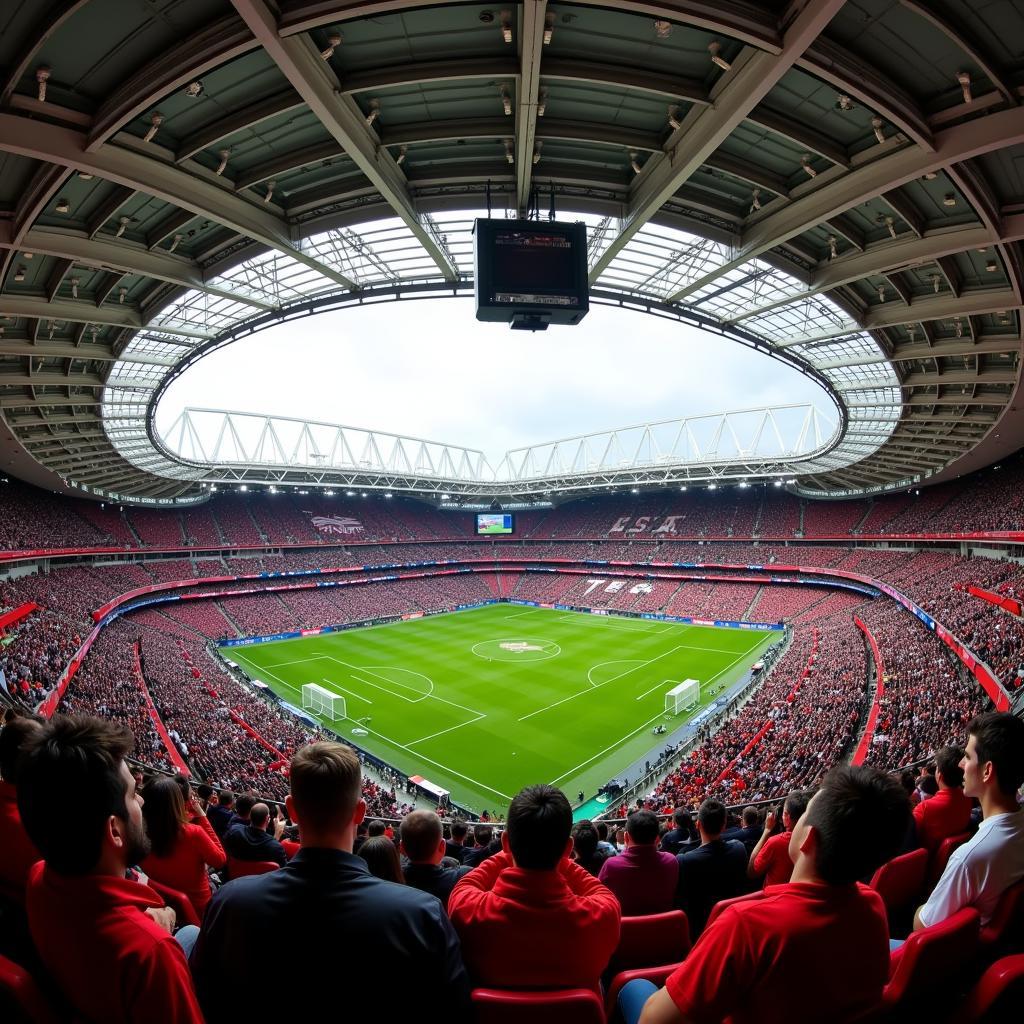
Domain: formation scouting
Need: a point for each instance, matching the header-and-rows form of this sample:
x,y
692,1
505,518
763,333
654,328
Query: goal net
x,y
682,697
321,701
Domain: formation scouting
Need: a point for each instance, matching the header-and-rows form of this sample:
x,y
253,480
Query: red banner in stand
x,y
240,721
17,614
869,729
172,751
1008,604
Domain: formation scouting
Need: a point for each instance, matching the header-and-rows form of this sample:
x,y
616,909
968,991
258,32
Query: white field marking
x,y
653,688
611,622
597,686
519,615
370,672
384,689
298,661
612,746
713,650
708,682
441,732
338,686
523,639
602,664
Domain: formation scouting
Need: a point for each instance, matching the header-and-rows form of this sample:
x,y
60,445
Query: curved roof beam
x,y
45,184
316,83
735,95
30,47
239,120
87,313
866,182
530,40
124,166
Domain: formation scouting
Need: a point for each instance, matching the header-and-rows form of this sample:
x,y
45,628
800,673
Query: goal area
x,y
682,697
321,701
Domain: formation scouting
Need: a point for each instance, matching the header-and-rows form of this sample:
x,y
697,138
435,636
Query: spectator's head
x,y
855,822
226,799
538,828
13,737
204,791
908,781
948,772
382,859
602,831
751,816
928,786
642,828
77,798
683,820
994,762
186,790
584,841
164,813
459,830
259,816
325,800
244,804
376,828
483,834
710,820
794,807
421,837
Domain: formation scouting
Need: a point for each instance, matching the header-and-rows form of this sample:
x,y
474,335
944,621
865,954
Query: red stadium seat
x,y
926,968
21,1000
651,941
941,857
998,996
899,882
560,1006
237,868
184,911
656,975
1007,923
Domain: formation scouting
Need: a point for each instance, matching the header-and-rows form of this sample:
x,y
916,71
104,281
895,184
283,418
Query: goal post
x,y
682,697
321,701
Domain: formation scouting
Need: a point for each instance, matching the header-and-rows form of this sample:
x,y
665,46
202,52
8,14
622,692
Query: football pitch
x,y
485,701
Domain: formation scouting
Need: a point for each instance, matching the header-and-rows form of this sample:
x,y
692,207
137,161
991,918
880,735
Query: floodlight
x,y
714,48
154,126
42,77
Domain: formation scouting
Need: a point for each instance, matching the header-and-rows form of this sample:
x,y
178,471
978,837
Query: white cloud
x,y
427,368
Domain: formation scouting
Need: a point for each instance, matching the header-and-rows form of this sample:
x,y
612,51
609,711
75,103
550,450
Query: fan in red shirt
x,y
106,940
17,852
948,813
180,850
770,857
758,953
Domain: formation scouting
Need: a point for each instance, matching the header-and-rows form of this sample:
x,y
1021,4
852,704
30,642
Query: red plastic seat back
x,y
941,857
1007,922
931,960
656,975
651,941
899,882
182,906
20,997
237,868
998,996
562,1006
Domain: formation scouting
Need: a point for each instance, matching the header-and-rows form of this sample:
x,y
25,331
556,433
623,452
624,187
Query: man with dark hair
x,y
222,814
244,803
585,847
948,812
422,841
793,941
683,837
749,831
456,846
642,877
348,932
486,845
716,871
252,842
105,939
530,917
770,858
17,852
980,871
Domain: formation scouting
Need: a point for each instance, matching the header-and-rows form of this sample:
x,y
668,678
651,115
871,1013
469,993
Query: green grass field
x,y
483,702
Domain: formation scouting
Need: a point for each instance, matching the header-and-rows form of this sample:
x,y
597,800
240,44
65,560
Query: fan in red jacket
x,y
529,917
17,852
948,813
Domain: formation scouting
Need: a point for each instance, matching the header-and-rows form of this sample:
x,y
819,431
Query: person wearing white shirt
x,y
980,871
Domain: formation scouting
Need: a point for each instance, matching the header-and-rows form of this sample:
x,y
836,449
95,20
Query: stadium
x,y
708,614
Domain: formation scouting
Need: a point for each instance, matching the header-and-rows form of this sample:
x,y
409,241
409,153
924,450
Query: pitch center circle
x,y
516,649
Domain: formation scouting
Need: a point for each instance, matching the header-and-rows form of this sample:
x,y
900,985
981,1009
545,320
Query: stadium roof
x,y
840,184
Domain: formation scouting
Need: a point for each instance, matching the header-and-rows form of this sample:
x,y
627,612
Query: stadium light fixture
x,y
877,126
388,495
333,42
244,487
510,151
270,191
402,151
330,494
506,26
991,266
223,154
350,494
890,223
662,29
194,90
63,206
506,100
549,28
881,293
446,497
19,273
843,102
634,162
175,242
949,199
85,176
715,49
778,483
122,294
74,287
374,112
673,117
805,163
122,224
964,80
536,152
542,102
273,489
833,243
744,484
42,77
755,201
154,126
364,494
635,490
682,487
935,283
712,487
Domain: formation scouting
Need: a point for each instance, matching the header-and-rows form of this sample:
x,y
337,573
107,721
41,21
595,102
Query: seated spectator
x,y
980,871
683,837
643,878
586,848
423,844
456,846
180,850
17,852
244,803
323,898
785,954
716,871
253,842
604,843
381,856
486,845
770,858
749,831
222,813
528,916
948,812
79,804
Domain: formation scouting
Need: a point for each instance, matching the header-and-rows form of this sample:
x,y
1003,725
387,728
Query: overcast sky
x,y
429,369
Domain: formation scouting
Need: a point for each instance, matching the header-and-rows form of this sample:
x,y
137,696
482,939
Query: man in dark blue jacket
x,y
750,831
253,841
334,932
